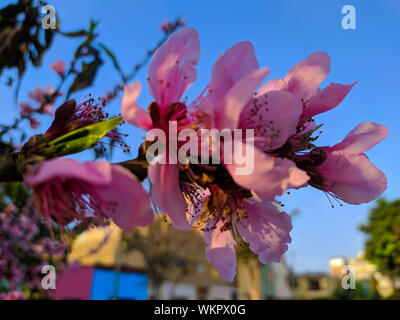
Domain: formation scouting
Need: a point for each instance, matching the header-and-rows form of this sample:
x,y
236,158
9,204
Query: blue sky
x,y
283,33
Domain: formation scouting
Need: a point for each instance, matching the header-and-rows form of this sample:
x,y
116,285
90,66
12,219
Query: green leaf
x,y
93,25
85,78
80,139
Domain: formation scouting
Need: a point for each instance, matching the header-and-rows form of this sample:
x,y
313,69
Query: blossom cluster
x,y
24,250
224,205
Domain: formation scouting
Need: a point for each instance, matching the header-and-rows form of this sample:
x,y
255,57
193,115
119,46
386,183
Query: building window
x,y
293,283
313,284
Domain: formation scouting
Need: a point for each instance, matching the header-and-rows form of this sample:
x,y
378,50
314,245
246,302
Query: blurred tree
x,y
167,252
22,37
363,291
383,237
13,193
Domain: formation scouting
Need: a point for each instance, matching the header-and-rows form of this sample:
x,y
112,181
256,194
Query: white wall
x,y
220,293
170,290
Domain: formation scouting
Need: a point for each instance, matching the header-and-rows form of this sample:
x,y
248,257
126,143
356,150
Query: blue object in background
x,y
108,284
133,286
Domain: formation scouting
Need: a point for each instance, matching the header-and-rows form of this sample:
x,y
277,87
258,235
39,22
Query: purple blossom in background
x,y
13,295
24,249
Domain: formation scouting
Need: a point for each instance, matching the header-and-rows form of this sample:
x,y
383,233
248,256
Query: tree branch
x,y
9,171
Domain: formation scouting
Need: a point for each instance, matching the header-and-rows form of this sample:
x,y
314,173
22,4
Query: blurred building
x,y
260,282
108,271
313,286
276,281
365,271
112,265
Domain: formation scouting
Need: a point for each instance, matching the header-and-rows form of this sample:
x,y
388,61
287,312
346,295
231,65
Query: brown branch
x,y
9,171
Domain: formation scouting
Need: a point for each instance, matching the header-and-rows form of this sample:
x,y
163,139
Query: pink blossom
x,y
11,208
34,123
166,26
235,77
280,113
70,116
48,109
171,72
231,103
12,295
169,27
65,189
260,224
166,193
304,79
347,171
45,97
26,109
40,95
58,67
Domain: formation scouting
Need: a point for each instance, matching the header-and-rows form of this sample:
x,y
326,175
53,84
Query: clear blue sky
x,y
283,33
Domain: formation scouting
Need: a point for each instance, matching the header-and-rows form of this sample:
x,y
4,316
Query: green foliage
x,y
92,59
85,77
362,292
13,192
395,295
383,236
24,41
22,38
80,139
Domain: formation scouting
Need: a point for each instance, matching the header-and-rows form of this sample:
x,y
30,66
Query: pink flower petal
x,y
266,230
304,78
94,172
48,109
41,95
220,251
236,62
34,123
274,116
272,85
131,111
327,99
352,177
133,207
166,194
58,67
362,138
115,189
297,178
228,111
26,109
270,177
172,70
